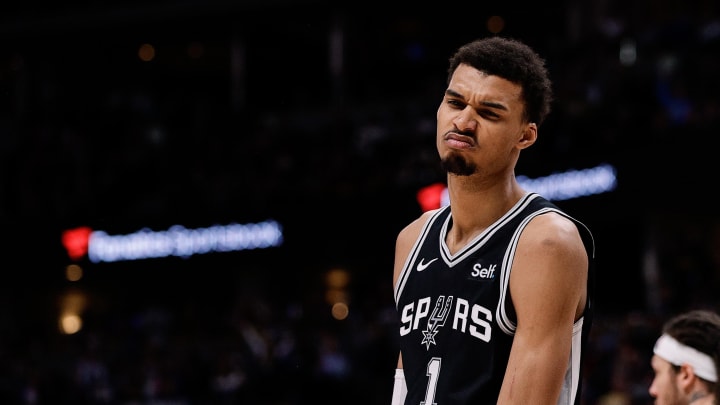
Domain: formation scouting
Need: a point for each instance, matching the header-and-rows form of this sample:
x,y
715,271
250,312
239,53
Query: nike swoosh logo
x,y
422,266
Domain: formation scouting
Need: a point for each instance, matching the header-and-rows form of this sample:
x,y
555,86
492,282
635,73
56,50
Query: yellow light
x,y
495,24
333,296
72,305
70,324
337,278
73,272
146,53
340,311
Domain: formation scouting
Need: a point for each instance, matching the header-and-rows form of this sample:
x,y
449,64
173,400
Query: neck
x,y
700,398
480,204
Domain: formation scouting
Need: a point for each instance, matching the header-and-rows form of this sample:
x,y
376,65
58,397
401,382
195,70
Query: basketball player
x,y
493,292
685,360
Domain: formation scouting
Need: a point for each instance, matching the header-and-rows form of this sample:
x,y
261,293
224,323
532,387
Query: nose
x,y
465,120
651,389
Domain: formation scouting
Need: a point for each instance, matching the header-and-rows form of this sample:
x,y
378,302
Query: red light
x,y
76,241
430,197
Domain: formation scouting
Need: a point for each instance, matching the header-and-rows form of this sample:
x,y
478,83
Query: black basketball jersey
x,y
456,319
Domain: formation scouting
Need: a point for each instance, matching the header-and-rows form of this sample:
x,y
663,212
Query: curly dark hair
x,y
699,329
514,61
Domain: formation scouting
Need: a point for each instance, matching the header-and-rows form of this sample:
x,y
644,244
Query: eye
x,y
456,103
488,114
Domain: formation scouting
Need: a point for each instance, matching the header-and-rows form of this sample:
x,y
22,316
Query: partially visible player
x,y
685,360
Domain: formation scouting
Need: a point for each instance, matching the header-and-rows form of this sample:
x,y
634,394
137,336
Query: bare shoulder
x,y
411,231
553,233
406,239
550,256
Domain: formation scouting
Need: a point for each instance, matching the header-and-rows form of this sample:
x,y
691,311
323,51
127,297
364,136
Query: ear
x,y
686,378
528,136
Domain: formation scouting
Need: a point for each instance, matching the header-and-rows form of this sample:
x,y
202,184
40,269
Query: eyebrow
x,y
453,93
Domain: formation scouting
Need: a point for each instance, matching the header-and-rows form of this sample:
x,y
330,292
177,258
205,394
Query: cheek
x,y
666,388
442,114
656,384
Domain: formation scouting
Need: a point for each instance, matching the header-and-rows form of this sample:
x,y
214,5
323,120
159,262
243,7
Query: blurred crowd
x,y
119,145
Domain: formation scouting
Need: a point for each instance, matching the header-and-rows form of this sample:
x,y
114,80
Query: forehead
x,y
473,83
659,364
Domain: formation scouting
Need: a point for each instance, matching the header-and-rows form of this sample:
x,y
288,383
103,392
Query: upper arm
x,y
548,290
403,245
405,241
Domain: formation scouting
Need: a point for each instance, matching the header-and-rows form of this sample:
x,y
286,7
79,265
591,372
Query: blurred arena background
x,y
124,118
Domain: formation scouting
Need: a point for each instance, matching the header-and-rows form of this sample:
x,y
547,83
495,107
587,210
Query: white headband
x,y
679,354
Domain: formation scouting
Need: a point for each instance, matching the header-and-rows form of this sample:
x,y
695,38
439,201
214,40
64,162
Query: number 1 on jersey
x,y
433,372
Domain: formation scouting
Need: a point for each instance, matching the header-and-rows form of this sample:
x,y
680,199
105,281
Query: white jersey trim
x,y
412,256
